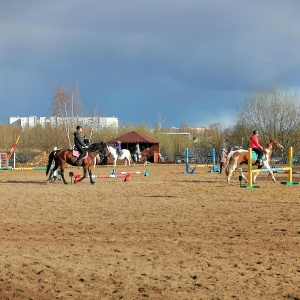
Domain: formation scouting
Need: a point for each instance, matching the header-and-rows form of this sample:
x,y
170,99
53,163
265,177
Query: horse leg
x,y
62,173
272,175
51,175
242,174
267,166
63,177
84,174
95,160
91,176
87,170
52,172
255,176
231,170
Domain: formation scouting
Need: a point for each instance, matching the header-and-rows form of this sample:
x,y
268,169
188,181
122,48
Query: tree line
x,y
274,113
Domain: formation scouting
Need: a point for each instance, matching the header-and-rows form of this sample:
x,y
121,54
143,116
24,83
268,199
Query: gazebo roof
x,y
134,137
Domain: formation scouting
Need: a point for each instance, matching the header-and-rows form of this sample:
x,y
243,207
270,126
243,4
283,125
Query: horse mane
x,y
272,141
96,146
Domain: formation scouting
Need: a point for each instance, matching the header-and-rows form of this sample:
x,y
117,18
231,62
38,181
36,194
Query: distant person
x,y
79,145
257,147
223,158
118,147
137,152
86,141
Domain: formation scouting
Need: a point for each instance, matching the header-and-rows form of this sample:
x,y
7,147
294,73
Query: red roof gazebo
x,y
130,139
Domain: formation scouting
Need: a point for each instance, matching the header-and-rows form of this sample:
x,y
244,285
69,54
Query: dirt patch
x,y
166,236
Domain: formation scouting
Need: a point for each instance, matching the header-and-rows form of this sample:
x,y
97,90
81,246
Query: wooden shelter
x,y
148,146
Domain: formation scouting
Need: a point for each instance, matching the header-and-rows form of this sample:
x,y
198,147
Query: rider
x,y
118,147
79,145
137,152
256,147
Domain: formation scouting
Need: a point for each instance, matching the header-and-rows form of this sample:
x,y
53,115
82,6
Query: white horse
x,y
125,155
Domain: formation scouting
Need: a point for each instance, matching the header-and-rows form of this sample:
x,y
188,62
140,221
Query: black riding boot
x,y
78,162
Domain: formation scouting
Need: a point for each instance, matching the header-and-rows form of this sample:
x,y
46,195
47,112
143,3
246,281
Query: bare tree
x,y
66,105
159,120
275,114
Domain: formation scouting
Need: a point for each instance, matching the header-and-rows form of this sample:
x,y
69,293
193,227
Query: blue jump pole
x,y
186,161
188,170
214,166
273,170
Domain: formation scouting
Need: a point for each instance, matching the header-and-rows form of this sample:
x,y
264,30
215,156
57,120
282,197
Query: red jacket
x,y
254,142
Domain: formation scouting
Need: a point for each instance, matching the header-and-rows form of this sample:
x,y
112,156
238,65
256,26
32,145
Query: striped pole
x,y
24,169
125,176
145,172
13,147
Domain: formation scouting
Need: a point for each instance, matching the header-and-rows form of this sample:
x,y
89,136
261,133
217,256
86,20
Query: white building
x,y
89,122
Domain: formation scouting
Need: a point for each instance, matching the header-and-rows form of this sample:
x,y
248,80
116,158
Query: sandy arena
x,y
166,236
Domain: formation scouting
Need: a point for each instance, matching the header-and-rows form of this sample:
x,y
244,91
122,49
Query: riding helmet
x,y
255,131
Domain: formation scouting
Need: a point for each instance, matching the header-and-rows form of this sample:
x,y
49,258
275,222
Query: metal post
x,y
290,164
250,174
187,161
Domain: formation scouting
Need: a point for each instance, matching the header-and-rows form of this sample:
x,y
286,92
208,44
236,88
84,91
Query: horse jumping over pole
x,y
125,155
236,159
63,156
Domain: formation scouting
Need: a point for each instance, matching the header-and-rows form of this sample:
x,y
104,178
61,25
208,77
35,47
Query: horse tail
x,y
229,158
51,157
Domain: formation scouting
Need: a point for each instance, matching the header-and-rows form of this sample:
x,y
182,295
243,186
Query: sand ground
x,y
166,236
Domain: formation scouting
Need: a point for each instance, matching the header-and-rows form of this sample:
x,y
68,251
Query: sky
x,y
183,62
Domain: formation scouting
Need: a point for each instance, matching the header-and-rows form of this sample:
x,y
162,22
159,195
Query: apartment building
x,y
89,122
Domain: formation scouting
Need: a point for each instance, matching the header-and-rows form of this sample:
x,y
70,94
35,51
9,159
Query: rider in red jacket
x,y
256,146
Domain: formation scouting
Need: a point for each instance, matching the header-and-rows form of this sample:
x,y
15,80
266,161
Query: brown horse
x,y
236,159
63,156
146,154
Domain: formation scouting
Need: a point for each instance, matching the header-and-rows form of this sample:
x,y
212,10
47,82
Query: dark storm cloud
x,y
193,61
